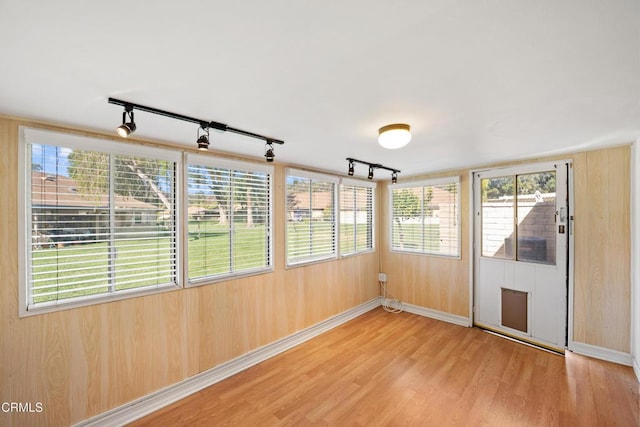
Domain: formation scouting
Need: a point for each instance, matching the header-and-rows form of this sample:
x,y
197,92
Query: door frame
x,y
474,245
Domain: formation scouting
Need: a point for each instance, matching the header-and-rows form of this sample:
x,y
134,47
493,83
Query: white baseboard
x,y
602,353
145,405
438,315
636,368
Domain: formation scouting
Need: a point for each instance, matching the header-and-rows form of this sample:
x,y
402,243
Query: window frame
x,y
427,183
27,137
312,176
365,184
217,162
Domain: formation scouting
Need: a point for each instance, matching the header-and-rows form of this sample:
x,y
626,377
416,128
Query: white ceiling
x,y
478,81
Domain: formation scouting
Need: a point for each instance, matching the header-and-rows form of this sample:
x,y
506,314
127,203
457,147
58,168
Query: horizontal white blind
x,y
100,223
311,218
426,218
229,217
356,218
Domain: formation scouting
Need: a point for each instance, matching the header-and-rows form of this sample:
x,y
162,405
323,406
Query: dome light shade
x,y
394,136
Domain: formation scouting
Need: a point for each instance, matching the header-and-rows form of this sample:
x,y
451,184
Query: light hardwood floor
x,y
403,369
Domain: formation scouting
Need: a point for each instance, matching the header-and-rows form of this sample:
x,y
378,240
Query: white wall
x,y
635,256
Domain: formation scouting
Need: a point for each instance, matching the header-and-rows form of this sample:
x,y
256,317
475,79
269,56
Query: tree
x,y
134,177
494,188
292,203
220,192
406,205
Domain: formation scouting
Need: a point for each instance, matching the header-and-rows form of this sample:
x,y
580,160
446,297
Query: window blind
x,y
100,222
425,217
311,217
229,212
356,217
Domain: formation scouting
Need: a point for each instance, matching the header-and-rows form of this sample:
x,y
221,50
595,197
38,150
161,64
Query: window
x,y
99,219
356,216
229,218
311,216
426,217
519,217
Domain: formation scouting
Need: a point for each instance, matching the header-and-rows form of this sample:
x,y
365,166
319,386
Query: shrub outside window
x,y
426,217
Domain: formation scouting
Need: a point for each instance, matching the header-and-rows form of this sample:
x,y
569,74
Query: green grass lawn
x,y
210,254
84,269
417,237
81,270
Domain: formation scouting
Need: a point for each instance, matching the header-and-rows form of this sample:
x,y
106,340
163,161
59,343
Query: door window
x,y
519,217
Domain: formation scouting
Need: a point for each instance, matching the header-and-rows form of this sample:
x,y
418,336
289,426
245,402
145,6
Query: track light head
x,y
203,143
269,154
203,140
351,170
127,128
394,177
370,176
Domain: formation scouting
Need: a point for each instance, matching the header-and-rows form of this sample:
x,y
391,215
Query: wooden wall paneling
x,y
86,377
219,330
83,361
618,252
581,247
439,283
602,251
602,241
8,264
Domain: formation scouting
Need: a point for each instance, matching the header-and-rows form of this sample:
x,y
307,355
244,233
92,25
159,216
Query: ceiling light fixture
x,y
203,140
127,128
269,154
372,166
394,136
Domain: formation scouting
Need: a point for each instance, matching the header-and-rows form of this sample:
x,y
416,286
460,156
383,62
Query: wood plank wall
x,y
84,361
603,248
81,362
602,252
438,283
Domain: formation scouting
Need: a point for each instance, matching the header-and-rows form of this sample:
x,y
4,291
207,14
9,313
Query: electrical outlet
x,y
382,277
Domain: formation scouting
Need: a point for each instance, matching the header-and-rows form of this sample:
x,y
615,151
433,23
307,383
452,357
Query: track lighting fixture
x,y
203,140
372,166
269,154
127,128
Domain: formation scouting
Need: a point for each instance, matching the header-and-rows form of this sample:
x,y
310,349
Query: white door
x,y
521,246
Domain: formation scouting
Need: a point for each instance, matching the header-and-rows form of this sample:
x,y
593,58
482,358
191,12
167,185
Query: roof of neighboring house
x,y
57,191
439,196
321,200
